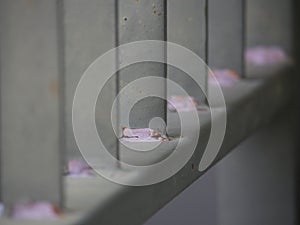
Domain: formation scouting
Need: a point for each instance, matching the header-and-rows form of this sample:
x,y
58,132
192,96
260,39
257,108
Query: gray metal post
x,y
187,27
30,102
269,22
90,31
226,35
142,20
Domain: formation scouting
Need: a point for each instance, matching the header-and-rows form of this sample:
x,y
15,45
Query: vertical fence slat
x,y
269,22
142,20
187,27
226,35
90,31
30,100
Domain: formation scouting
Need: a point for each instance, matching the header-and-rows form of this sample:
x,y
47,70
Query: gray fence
x,y
47,45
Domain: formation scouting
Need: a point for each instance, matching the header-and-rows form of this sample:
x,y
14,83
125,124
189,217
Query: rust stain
x,y
53,87
29,2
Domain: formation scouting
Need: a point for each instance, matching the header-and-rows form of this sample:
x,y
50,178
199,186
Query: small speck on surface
x,y
193,166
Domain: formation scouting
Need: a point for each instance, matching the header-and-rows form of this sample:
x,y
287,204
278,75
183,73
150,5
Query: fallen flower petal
x,y
141,135
1,209
137,132
224,77
78,168
182,103
35,210
262,55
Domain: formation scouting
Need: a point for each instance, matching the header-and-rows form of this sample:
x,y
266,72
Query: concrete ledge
x,y
251,103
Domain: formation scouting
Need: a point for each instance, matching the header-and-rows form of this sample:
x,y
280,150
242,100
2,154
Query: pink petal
x,y
77,167
141,135
137,132
224,77
182,103
1,209
261,55
35,210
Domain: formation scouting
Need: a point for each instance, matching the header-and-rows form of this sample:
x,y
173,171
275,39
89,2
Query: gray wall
x,y
255,184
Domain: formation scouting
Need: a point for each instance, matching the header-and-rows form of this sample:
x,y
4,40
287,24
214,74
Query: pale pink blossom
x,y
35,211
262,55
